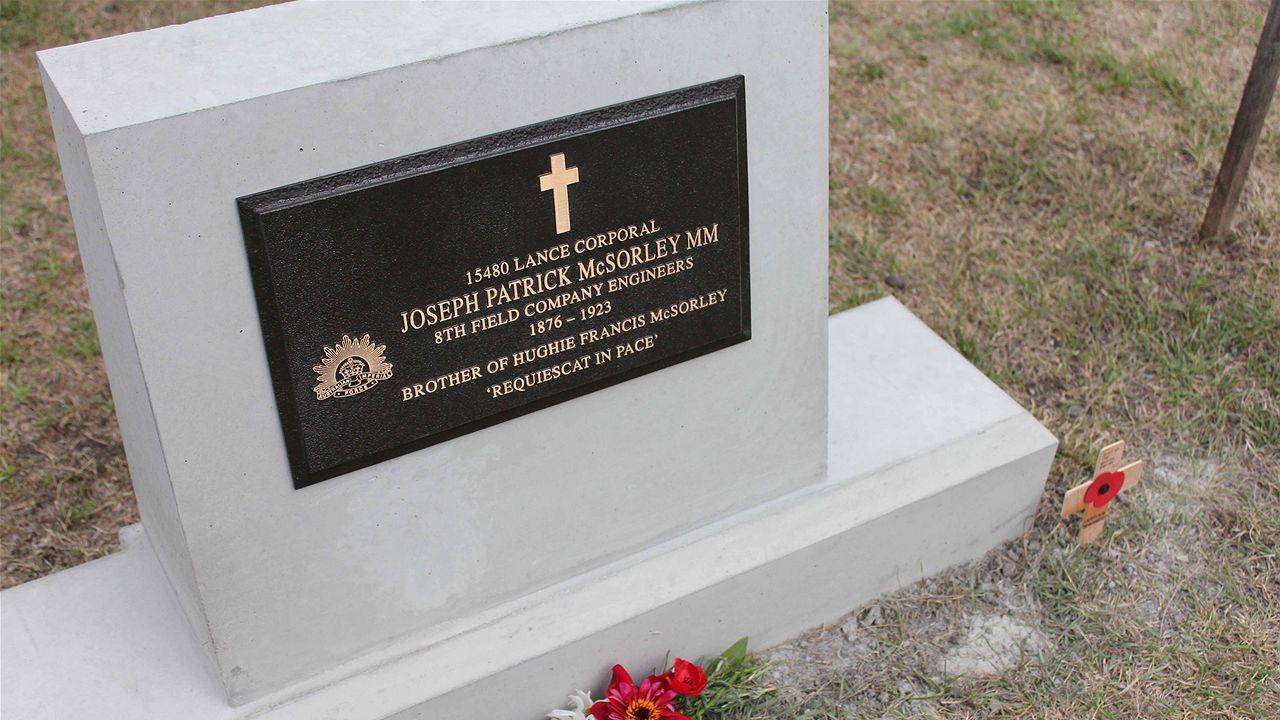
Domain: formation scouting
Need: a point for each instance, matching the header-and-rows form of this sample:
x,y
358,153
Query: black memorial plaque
x,y
418,299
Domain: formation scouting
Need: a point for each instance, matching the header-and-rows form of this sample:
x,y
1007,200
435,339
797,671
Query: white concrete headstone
x,y
161,131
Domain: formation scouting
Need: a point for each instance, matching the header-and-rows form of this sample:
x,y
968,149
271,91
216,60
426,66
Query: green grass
x,y
968,21
734,685
9,353
85,337
870,71
1051,9
24,22
1113,75
1056,158
1166,77
878,200
18,390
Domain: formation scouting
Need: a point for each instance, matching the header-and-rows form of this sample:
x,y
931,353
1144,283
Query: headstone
x,y
460,350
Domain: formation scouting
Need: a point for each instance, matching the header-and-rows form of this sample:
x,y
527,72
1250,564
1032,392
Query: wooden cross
x,y
1093,497
558,182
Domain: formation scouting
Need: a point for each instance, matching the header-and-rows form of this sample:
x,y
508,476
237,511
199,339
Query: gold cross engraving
x,y
1093,497
558,182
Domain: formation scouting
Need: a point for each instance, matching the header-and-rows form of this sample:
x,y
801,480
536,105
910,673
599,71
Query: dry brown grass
x,y
1035,178
1174,615
1028,178
64,484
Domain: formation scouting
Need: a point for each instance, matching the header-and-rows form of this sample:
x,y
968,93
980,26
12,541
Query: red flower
x,y
1103,488
653,700
686,678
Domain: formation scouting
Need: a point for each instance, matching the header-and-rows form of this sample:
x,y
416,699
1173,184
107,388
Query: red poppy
x,y
686,678
653,700
1103,488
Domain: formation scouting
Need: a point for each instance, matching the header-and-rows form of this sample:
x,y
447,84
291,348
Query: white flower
x,y
581,702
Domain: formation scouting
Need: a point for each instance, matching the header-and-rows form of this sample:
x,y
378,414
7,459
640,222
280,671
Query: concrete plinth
x,y
930,465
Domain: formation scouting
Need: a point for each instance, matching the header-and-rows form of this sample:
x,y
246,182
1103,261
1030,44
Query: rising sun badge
x,y
350,367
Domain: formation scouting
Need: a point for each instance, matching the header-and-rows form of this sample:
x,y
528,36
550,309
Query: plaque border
x,y
254,206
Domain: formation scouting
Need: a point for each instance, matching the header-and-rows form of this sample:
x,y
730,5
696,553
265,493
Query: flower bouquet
x,y
686,691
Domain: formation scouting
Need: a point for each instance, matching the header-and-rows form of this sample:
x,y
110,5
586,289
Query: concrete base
x,y
930,465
